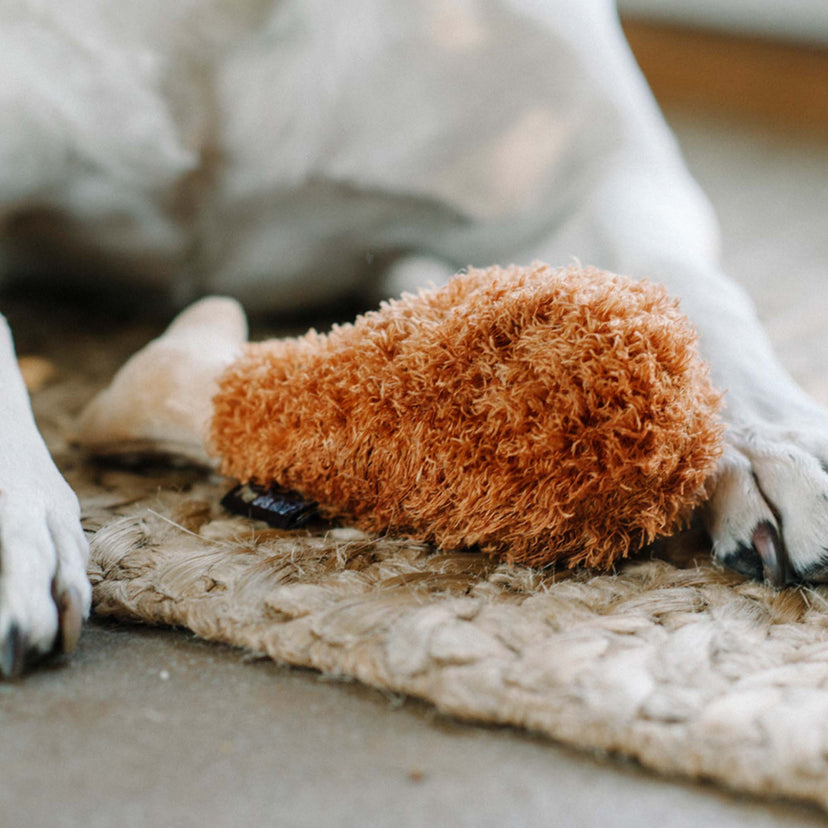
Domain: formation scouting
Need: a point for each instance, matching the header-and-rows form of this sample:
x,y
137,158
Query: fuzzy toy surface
x,y
542,415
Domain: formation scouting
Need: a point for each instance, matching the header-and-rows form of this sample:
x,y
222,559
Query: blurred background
x,y
759,60
805,20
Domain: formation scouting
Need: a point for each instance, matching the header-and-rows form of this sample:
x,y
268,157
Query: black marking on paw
x,y
278,507
746,561
816,573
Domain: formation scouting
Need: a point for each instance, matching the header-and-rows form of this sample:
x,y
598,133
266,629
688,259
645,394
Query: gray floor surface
x,y
153,727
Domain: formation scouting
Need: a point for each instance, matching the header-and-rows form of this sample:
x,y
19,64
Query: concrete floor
x,y
151,727
148,726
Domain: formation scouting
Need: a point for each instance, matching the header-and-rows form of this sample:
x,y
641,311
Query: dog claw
x,y
70,614
13,653
775,566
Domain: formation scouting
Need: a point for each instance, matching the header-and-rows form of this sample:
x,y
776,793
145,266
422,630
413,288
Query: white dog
x,y
291,151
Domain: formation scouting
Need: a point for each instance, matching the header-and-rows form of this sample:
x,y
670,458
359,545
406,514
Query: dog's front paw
x,y
44,592
768,512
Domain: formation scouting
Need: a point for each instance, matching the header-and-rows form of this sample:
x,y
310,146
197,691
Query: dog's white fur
x,y
292,151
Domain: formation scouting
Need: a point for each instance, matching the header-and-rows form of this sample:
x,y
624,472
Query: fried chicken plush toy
x,y
545,416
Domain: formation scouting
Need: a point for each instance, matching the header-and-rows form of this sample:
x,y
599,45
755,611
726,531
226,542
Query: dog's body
x,y
292,151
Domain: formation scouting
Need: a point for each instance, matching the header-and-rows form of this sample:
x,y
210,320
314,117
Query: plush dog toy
x,y
546,416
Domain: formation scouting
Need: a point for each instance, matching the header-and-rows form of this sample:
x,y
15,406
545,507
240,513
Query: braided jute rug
x,y
688,669
671,661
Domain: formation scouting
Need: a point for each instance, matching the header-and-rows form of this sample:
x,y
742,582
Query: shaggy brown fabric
x,y
543,415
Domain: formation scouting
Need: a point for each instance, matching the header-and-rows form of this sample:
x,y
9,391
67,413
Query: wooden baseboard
x,y
781,84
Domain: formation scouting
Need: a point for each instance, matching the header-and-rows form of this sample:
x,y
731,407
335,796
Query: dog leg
x,y
768,509
640,213
44,591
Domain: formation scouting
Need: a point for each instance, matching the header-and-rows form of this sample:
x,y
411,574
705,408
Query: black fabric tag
x,y
278,507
